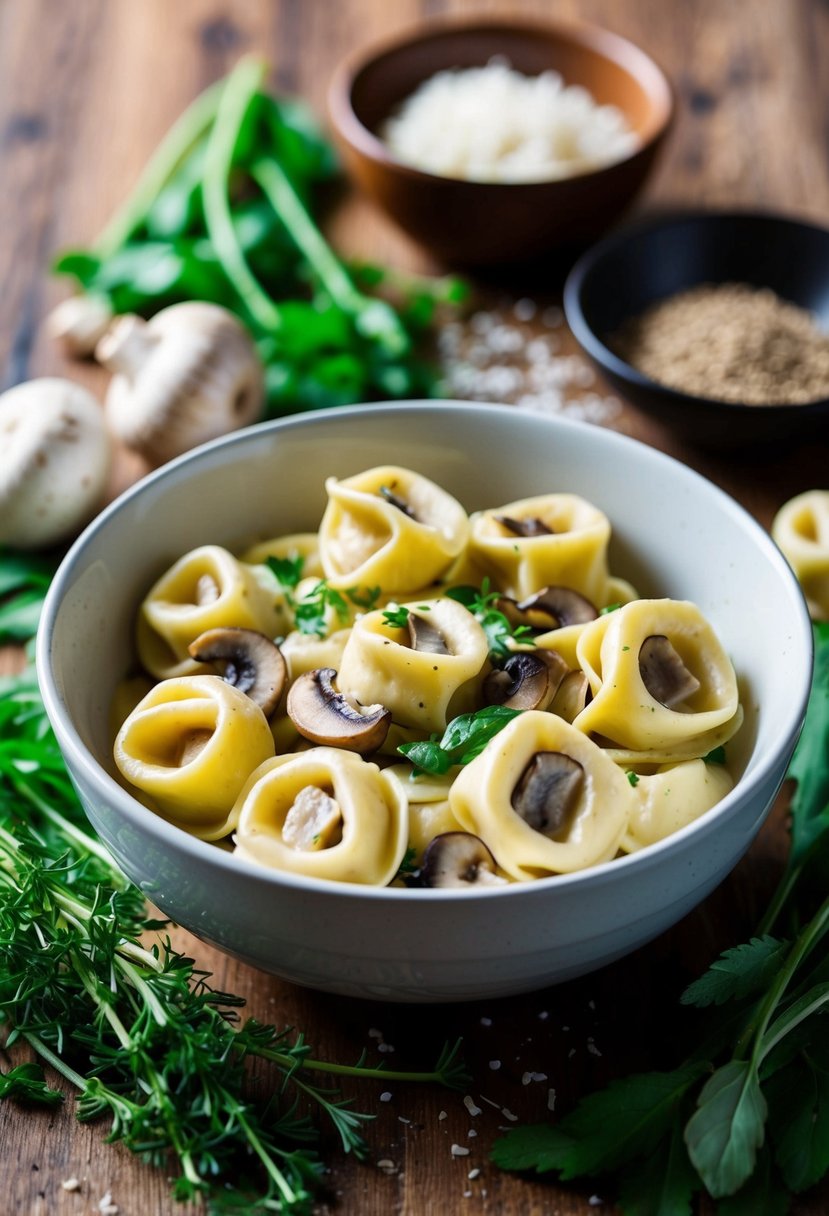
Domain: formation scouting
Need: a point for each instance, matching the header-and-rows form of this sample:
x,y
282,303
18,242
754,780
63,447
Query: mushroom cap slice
x,y
563,605
324,715
663,672
547,793
396,501
248,660
458,859
572,694
425,636
528,680
531,526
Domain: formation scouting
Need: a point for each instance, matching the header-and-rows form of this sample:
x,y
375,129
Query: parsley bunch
x,y
746,1116
90,983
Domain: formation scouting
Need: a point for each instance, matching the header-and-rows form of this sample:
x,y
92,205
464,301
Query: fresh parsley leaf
x,y
799,1118
536,1146
464,738
633,778
738,972
24,581
607,1129
364,597
762,1195
286,570
725,1132
610,608
664,1183
396,617
310,612
497,627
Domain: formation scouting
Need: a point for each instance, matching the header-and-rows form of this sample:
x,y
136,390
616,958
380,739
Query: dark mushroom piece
x,y
663,672
458,859
246,659
531,526
528,680
324,715
547,793
425,636
398,502
549,608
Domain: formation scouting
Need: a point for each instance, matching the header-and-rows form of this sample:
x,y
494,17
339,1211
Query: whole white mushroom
x,y
190,374
54,461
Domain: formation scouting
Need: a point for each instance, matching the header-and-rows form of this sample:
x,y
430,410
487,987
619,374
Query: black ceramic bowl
x,y
632,269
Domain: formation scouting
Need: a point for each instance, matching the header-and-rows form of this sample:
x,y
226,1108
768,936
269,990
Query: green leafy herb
x,y
364,597
24,581
396,617
499,632
632,777
757,1129
225,212
131,1025
286,570
609,608
464,738
310,612
407,865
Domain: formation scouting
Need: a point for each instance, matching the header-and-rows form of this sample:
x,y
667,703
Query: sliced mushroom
x,y
314,821
560,605
192,745
207,590
528,680
663,672
248,660
425,636
572,695
547,793
396,501
531,526
458,859
324,715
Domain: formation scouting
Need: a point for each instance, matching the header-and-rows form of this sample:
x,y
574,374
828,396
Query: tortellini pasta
x,y
658,674
191,745
406,636
801,530
557,539
324,813
543,798
423,683
205,589
389,527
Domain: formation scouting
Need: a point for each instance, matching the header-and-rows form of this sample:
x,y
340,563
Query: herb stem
x,y
290,1196
55,1061
757,1025
175,145
238,96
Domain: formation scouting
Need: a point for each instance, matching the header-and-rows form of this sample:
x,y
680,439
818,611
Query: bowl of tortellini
x,y
428,701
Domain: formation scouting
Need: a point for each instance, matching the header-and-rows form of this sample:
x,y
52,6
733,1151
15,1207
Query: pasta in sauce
x,y
414,695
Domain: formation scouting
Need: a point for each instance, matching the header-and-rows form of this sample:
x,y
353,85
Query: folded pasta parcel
x,y
389,527
659,676
191,745
543,798
801,530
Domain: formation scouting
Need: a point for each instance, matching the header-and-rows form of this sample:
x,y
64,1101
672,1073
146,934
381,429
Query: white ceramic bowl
x,y
673,534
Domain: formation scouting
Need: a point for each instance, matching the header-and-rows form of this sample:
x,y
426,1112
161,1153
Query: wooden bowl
x,y
634,268
480,223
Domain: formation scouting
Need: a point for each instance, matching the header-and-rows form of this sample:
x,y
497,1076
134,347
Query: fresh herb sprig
x,y
746,1116
24,581
134,1027
226,212
499,632
464,738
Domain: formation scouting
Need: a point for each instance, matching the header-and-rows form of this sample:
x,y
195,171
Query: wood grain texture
x,y
86,91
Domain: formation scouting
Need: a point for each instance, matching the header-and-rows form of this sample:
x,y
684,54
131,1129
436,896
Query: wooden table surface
x,y
86,90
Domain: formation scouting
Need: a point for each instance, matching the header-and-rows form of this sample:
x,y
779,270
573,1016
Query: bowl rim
x,y
596,38
205,852
598,350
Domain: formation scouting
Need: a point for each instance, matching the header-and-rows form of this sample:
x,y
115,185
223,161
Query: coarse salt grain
x,y
387,1166
493,123
486,1021
509,1115
542,1017
473,1174
528,1077
551,1099
458,1150
471,1134
494,1065
470,1106
442,1116
375,1034
106,1206
385,1096
71,1184
385,1047
595,1201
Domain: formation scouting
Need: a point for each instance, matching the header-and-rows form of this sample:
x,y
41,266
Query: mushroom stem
x,y
125,346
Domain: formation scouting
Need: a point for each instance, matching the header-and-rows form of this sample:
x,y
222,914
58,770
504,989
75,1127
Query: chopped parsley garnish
x,y
632,777
464,738
309,613
396,617
499,632
364,597
610,608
